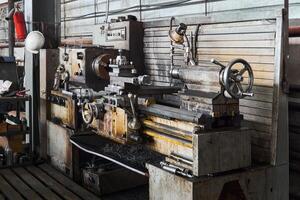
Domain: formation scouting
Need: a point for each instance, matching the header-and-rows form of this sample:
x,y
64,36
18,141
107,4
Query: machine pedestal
x,y
257,183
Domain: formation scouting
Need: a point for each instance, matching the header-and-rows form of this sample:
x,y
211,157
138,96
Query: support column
x,y
40,16
11,30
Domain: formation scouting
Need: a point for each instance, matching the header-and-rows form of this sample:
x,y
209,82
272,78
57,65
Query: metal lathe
x,y
104,90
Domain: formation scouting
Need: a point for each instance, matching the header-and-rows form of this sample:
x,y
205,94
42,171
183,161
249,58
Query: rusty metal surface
x,y
170,112
169,130
113,125
48,61
77,41
65,114
255,183
294,31
59,147
168,138
293,63
209,151
221,150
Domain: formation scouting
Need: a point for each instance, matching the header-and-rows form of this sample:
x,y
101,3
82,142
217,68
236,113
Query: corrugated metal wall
x,y
3,23
78,16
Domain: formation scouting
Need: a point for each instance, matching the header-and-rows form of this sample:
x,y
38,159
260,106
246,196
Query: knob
x,y
248,94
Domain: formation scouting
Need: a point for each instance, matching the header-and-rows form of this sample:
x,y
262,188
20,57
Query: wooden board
x,y
39,182
68,183
22,188
8,190
51,183
33,182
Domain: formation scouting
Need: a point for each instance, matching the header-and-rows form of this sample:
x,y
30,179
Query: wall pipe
x,y
107,11
11,28
195,48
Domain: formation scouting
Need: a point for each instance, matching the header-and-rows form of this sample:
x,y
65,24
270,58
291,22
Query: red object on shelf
x,y
20,26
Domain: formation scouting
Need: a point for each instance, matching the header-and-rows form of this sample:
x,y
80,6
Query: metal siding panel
x,y
81,27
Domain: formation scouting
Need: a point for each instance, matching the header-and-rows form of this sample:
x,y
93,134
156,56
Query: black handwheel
x,y
233,79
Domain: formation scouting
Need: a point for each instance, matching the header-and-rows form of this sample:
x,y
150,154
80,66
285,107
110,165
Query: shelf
x,y
15,99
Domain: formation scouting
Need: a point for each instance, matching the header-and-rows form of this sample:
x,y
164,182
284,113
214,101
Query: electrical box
x,y
126,35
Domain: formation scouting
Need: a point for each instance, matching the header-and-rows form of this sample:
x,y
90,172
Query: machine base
x,y
116,180
259,183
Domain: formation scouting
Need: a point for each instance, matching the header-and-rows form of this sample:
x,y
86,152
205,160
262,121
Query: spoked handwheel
x,y
91,111
234,79
87,113
237,78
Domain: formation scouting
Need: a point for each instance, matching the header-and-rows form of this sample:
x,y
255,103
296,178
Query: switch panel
x,y
116,34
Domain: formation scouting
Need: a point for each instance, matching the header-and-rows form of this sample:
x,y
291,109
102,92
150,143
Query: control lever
x,y
214,61
176,170
133,124
79,72
245,94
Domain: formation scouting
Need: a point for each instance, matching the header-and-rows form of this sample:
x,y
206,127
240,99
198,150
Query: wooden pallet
x,y
39,182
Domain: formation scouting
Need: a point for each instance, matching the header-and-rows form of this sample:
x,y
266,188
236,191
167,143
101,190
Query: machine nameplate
x,y
118,34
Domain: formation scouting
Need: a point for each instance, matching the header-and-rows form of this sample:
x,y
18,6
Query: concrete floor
x,y
139,193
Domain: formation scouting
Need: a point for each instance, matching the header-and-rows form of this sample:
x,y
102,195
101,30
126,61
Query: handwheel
x,y
233,79
87,113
